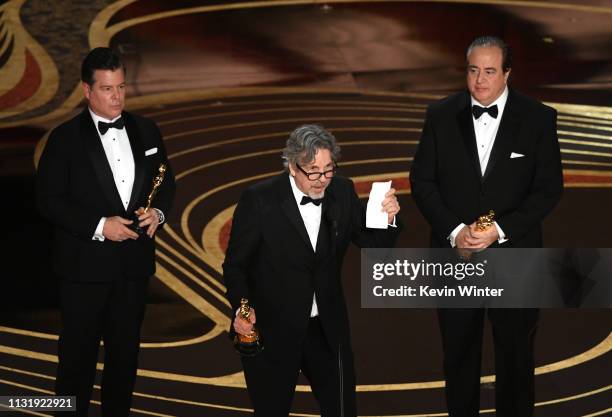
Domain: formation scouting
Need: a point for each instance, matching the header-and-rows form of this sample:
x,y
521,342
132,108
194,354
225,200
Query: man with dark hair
x,y
93,180
288,239
488,148
99,59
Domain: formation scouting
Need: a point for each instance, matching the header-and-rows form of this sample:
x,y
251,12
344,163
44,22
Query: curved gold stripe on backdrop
x,y
298,120
49,392
584,135
594,122
15,67
293,109
188,209
200,304
100,34
592,163
189,96
212,231
607,411
586,143
231,408
237,380
286,133
103,37
590,153
321,104
587,126
41,144
198,271
213,260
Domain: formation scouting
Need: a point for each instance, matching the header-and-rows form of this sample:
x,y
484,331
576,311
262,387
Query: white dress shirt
x,y
485,128
311,215
118,152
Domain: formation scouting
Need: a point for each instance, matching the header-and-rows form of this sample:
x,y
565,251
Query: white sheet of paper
x,y
375,217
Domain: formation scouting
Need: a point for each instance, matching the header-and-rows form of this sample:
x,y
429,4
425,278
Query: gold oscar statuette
x,y
250,344
157,181
485,221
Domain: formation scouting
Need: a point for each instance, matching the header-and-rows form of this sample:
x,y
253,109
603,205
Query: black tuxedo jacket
x,y
75,188
446,180
271,262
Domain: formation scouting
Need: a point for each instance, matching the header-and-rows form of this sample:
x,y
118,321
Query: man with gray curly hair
x,y
302,145
288,239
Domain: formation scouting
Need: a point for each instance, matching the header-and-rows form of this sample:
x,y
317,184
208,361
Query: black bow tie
x,y
477,111
315,201
103,126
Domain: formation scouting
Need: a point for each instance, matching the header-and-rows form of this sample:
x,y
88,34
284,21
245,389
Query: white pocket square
x,y
516,155
154,151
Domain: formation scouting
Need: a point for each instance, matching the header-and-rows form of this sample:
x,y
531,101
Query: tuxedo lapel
x,y
96,153
323,239
466,126
506,133
138,154
328,231
289,207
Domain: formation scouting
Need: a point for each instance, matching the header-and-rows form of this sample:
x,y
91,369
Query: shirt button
x,y
118,160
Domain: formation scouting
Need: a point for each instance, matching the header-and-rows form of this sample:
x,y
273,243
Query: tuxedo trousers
x,y
90,312
271,381
513,337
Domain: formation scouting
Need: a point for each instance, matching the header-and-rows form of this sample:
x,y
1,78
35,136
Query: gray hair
x,y
305,141
492,41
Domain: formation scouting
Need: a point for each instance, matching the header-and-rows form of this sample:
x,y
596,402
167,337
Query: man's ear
x,y
86,90
507,75
291,170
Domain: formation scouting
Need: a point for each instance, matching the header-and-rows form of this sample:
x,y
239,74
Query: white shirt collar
x,y
96,118
500,102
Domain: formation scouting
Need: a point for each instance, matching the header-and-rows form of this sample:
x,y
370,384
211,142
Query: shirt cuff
x,y
98,234
454,234
162,218
500,232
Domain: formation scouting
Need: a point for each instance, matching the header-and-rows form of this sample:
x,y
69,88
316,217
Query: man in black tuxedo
x,y
95,173
288,239
488,148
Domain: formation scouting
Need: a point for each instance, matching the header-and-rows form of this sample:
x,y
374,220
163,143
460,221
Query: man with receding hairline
x,y
488,148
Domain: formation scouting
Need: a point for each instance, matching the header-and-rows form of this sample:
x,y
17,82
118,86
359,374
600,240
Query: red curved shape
x,y
27,85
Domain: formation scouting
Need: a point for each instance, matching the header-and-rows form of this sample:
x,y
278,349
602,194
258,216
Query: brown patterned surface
x,y
220,143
